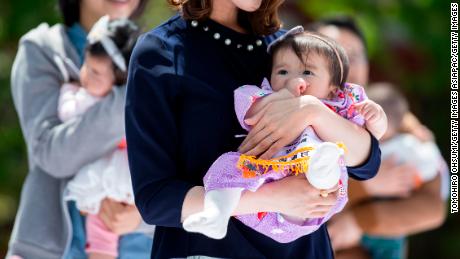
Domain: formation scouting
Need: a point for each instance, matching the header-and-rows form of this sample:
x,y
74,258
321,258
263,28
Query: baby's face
x,y
96,75
311,78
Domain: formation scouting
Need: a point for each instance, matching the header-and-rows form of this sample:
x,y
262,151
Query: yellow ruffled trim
x,y
251,166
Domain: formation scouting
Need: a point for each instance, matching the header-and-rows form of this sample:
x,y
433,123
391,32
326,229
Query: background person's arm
x,y
422,211
392,181
413,126
59,148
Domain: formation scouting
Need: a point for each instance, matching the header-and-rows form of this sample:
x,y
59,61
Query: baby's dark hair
x,y
392,101
305,42
124,33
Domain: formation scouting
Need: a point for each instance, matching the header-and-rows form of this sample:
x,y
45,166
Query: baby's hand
x,y
376,119
371,111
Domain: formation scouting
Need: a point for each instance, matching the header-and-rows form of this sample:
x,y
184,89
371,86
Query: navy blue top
x,y
180,117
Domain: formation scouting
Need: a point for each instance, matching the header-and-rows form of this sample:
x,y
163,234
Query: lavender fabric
x,y
224,172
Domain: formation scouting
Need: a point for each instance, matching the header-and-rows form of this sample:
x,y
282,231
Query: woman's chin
x,y
115,16
119,2
118,14
250,9
248,5
119,9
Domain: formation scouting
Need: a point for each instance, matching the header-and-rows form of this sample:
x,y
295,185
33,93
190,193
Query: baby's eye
x,y
307,72
282,72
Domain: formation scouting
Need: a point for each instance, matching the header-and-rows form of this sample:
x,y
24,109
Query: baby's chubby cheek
x,y
277,84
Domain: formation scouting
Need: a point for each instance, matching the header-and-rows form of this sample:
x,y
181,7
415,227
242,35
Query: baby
x,y
109,47
404,148
303,64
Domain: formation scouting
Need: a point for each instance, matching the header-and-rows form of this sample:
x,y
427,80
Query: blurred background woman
x,y
46,226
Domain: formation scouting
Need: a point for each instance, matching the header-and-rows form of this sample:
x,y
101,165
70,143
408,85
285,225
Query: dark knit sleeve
x,y
152,134
369,168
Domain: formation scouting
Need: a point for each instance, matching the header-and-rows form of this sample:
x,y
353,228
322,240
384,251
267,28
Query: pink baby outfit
x,y
108,176
224,172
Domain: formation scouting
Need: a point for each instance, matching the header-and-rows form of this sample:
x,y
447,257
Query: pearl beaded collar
x,y
228,41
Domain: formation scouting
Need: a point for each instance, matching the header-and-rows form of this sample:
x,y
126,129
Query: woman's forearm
x,y
259,201
292,196
331,127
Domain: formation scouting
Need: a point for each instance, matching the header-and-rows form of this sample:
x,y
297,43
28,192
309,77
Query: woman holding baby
x,y
180,118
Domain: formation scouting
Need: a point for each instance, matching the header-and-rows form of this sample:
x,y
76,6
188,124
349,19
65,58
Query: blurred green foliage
x,y
408,44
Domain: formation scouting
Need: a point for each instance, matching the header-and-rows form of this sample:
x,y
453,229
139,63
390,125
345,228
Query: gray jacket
x,y
56,150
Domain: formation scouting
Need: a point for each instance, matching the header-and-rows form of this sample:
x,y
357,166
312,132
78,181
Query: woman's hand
x,y
260,103
295,197
119,217
344,231
392,180
278,124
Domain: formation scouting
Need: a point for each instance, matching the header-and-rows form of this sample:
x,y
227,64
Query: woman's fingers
x,y
119,217
244,147
322,208
128,221
317,214
262,146
272,142
317,211
333,189
255,135
107,222
254,119
272,150
111,212
105,214
297,198
330,200
106,209
119,210
254,138
318,200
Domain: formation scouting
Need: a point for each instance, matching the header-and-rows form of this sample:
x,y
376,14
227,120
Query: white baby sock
x,y
218,208
324,169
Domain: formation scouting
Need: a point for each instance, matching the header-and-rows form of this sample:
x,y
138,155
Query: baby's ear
x,y
333,88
